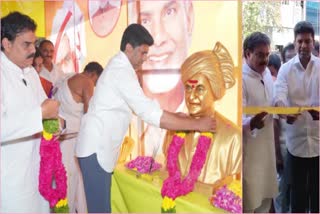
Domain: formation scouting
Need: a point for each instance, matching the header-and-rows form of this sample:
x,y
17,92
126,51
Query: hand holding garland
x,y
51,166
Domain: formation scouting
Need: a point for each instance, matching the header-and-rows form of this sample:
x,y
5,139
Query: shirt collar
x,y
8,63
125,57
296,61
246,69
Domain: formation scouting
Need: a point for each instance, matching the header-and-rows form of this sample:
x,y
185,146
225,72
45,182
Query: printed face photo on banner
x,y
68,36
103,15
170,23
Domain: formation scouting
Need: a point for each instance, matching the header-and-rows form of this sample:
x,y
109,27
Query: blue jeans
x,y
97,185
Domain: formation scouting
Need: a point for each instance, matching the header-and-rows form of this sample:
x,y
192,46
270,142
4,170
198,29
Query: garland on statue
x,y
174,186
52,169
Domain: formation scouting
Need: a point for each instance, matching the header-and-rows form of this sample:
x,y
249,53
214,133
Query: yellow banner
x,y
32,8
277,110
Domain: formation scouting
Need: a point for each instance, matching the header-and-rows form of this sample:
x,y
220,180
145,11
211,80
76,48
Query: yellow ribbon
x,y
276,110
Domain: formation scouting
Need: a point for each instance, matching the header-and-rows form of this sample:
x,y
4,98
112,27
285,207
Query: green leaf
x,y
172,210
64,209
51,125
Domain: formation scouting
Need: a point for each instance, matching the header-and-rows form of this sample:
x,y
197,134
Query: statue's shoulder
x,y
227,126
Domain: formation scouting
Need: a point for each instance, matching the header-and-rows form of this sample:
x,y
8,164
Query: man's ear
x,y
129,47
246,53
128,50
6,44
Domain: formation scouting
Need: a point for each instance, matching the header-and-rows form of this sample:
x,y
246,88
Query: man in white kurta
x,y
23,106
20,156
50,71
259,165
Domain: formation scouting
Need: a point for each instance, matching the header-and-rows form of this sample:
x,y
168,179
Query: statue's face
x,y
198,96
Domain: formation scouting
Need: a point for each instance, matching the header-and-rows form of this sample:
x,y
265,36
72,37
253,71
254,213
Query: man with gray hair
x,y
259,162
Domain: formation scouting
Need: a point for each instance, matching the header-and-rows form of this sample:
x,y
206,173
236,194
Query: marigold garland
x,y
52,169
174,186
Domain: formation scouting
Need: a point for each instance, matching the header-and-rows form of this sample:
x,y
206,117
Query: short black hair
x,y
303,27
15,23
288,47
45,41
93,67
274,60
136,35
253,40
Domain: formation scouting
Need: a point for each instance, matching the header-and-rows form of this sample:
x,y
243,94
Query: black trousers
x,y
304,173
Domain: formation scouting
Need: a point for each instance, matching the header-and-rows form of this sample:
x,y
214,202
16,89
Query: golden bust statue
x,y
206,76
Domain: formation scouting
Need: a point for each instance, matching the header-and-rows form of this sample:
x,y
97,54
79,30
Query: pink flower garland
x,y
143,163
225,199
51,168
174,186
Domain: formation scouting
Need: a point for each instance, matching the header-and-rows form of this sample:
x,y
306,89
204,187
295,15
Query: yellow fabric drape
x,y
132,194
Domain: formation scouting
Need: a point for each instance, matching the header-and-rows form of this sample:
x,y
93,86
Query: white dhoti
x,y
72,113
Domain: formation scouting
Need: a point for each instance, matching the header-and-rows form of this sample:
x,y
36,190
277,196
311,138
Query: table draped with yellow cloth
x,y
130,193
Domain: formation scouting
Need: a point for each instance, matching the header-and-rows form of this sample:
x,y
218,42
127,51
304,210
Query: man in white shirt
x,y
23,106
259,163
74,94
297,84
49,71
117,95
